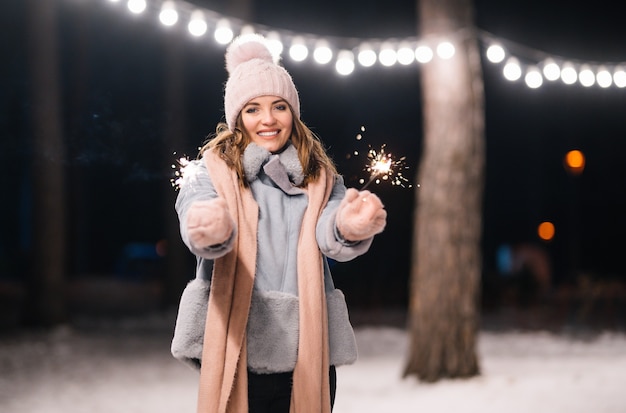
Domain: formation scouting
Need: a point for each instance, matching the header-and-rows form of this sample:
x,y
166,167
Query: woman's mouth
x,y
267,134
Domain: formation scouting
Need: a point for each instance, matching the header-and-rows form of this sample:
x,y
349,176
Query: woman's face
x,y
268,122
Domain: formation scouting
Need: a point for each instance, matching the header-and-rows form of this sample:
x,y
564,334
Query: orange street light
x,y
545,230
575,162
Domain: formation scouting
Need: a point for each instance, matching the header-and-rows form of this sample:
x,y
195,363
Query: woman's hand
x,y
209,223
360,215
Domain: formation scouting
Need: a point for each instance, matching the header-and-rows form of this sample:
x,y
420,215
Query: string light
x,y
533,66
274,42
387,55
405,53
569,76
551,70
168,15
197,24
136,6
604,77
445,50
533,78
322,53
495,53
512,70
366,57
345,62
619,77
586,77
423,54
298,50
223,33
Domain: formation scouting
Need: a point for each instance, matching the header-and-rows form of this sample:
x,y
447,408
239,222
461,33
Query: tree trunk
x,y
47,304
445,273
178,268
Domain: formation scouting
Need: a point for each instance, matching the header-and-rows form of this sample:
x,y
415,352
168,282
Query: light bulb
x,y
367,56
423,54
197,25
345,62
298,50
495,53
322,53
533,78
168,15
512,70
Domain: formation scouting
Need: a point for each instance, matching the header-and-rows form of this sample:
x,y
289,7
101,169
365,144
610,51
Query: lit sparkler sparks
x,y
185,171
383,167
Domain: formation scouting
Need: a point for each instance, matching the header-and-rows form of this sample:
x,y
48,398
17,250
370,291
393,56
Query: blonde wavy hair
x,y
230,145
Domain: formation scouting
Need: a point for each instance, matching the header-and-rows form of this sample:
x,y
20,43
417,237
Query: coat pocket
x,y
342,343
190,321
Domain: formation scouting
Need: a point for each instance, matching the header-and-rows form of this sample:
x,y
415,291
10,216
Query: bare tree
x,y
178,267
47,304
445,273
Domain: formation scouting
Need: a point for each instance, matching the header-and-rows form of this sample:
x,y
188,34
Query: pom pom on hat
x,y
245,48
254,71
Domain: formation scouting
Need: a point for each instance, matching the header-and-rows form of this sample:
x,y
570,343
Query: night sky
x,y
114,75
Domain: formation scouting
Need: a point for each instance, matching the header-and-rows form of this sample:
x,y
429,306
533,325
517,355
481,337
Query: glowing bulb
x,y
512,70
168,15
495,53
551,70
387,55
604,78
619,77
246,30
366,57
405,54
545,230
568,74
298,50
533,78
445,50
197,25
136,6
223,33
423,54
322,53
345,62
575,161
274,43
586,76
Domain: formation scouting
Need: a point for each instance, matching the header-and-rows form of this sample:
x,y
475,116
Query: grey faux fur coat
x,y
272,331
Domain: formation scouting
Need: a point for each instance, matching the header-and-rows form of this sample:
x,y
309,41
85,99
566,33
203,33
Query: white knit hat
x,y
254,71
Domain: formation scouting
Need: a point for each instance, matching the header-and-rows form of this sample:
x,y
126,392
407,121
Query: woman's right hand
x,y
361,215
209,223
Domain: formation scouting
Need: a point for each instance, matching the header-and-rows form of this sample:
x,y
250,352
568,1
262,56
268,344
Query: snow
x,y
125,367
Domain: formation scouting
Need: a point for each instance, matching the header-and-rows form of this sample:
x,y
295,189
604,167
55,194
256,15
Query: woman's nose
x,y
268,117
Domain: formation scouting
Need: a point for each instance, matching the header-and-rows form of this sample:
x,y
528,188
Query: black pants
x,y
271,393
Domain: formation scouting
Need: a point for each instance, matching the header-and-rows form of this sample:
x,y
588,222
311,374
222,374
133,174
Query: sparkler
x,y
185,171
382,166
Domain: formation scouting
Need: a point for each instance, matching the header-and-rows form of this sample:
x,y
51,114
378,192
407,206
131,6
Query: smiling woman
x,y
262,211
267,121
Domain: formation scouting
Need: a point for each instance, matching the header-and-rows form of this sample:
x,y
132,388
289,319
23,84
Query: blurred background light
x,y
197,25
546,231
575,161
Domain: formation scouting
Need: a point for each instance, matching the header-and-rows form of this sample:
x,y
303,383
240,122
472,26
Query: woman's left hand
x,y
360,215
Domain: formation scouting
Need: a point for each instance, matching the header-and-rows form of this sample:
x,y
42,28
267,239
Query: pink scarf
x,y
223,384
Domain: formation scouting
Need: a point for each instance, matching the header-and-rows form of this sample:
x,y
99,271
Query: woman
x,y
262,210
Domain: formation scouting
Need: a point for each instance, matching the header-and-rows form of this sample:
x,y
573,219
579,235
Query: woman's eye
x,y
251,109
281,107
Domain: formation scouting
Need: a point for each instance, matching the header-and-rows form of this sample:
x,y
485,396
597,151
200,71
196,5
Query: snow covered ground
x,y
125,367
